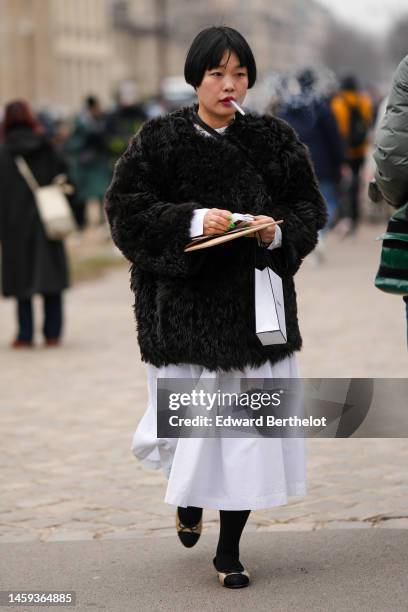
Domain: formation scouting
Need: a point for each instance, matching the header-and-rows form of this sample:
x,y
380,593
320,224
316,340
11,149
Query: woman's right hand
x,y
216,221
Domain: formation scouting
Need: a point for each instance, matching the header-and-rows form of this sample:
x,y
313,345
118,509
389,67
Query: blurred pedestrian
x,y
354,114
195,311
89,156
154,107
309,113
125,120
391,177
31,263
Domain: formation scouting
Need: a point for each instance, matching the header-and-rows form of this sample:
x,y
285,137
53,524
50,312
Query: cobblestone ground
x,y
68,414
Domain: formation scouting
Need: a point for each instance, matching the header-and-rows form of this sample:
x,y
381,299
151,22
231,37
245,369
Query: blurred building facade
x,y
55,52
283,34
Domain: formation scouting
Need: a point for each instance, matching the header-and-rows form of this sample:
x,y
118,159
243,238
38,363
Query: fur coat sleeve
x,y
299,203
150,232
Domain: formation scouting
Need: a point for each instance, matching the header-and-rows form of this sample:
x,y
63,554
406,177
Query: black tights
x,y
232,523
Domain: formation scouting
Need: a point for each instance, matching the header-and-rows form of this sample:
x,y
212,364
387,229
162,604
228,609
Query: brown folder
x,y
203,242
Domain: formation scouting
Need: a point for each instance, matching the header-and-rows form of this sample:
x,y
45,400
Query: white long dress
x,y
222,473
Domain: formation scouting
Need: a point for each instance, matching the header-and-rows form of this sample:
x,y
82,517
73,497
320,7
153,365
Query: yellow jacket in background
x,y
340,105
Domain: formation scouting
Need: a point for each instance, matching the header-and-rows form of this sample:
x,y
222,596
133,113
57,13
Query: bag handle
x,y
206,127
26,173
237,146
260,250
245,154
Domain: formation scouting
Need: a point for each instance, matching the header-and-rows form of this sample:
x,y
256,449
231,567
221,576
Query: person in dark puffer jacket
x,y
391,146
310,115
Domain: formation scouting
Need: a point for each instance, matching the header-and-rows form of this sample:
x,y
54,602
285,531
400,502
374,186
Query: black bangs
x,y
208,48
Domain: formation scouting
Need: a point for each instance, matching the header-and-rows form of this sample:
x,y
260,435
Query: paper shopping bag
x,y
269,307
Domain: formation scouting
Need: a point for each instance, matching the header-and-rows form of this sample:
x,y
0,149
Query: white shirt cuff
x,y
197,222
277,241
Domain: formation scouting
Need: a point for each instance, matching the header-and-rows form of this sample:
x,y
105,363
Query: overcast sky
x,y
372,15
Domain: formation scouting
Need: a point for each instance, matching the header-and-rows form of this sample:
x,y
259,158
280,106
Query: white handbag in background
x,y
52,204
269,307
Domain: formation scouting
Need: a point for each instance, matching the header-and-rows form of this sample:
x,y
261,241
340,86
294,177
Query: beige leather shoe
x,y
188,536
233,579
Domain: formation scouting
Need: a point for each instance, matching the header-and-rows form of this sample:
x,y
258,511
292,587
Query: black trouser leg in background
x,y
52,327
232,523
25,320
355,165
78,207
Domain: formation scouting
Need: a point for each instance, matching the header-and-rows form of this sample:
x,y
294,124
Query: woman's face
x,y
228,80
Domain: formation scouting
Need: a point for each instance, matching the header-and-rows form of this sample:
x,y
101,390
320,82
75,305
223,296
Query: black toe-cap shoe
x,y
233,579
188,536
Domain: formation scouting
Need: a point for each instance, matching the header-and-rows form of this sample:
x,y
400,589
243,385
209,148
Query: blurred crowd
x,y
90,142
335,121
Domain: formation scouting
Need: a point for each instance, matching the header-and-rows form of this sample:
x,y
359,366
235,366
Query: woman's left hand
x,y
268,234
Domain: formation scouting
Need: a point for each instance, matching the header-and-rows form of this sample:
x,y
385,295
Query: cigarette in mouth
x,y
237,106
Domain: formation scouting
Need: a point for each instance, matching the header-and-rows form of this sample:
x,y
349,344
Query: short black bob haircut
x,y
209,46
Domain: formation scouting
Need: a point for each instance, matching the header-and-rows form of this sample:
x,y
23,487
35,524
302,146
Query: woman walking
x,y
31,263
183,175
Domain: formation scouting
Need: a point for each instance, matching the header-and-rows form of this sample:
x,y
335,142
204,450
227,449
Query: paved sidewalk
x,y
349,327
302,572
68,414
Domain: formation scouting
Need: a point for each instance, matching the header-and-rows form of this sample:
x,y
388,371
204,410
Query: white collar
x,y
220,130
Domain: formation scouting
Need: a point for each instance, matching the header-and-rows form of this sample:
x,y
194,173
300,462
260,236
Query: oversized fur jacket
x,y
198,307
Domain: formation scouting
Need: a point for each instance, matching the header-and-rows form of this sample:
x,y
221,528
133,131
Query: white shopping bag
x,y
52,203
269,307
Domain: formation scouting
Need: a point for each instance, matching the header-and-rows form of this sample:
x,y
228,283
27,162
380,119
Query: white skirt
x,y
222,473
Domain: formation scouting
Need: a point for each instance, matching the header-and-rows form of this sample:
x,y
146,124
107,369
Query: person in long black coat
x,y
31,263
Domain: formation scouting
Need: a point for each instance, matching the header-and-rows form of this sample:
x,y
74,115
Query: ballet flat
x,y
233,579
188,536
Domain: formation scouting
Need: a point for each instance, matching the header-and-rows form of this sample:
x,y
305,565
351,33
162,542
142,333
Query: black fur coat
x,y
198,307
